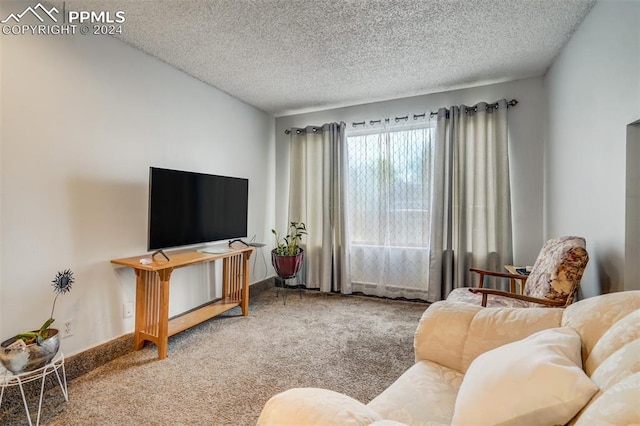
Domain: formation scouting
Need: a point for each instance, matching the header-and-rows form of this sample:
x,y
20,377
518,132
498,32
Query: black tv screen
x,y
190,208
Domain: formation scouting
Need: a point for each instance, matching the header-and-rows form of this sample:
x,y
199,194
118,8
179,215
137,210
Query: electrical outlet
x,y
67,328
127,309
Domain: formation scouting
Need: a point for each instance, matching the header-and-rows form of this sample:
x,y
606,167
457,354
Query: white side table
x,y
8,379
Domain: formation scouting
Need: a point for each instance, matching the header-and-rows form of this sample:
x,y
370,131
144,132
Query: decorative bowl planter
x,y
287,266
30,357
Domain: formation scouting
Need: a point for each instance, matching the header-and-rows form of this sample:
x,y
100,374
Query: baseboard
x,y
260,286
90,359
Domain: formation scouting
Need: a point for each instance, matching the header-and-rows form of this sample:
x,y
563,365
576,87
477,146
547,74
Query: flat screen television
x,y
189,208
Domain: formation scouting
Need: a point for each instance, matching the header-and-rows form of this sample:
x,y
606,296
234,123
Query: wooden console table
x,y
152,292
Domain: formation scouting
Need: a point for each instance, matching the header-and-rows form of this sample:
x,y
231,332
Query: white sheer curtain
x,y
472,187
316,197
390,177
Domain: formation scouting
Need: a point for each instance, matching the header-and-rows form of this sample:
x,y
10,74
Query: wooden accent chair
x,y
553,281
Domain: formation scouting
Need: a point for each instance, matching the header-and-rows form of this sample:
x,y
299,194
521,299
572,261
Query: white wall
x,y
593,92
526,140
82,120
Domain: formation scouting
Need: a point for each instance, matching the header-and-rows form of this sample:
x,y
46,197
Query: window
x,y
389,192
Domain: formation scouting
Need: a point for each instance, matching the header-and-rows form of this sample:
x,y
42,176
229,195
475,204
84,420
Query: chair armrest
x,y
512,278
486,291
314,406
499,274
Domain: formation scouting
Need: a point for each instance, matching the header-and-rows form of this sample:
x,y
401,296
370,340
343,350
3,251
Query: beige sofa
x,y
487,366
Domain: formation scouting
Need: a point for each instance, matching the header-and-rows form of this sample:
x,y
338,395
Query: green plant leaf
x,y
46,324
288,245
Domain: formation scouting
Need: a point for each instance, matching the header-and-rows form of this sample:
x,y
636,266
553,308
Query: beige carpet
x,y
223,371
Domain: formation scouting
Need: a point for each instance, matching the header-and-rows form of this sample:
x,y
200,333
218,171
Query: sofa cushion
x,y
617,406
494,327
621,333
315,406
615,358
592,317
537,380
424,394
453,334
621,364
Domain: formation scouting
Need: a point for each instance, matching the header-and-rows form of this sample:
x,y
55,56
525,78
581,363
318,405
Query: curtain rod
x,y
298,131
512,102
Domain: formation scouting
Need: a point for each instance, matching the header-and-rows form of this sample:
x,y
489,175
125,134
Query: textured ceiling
x,y
293,56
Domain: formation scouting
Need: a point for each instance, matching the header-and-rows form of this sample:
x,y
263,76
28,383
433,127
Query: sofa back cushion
x,y
453,334
494,327
595,316
609,327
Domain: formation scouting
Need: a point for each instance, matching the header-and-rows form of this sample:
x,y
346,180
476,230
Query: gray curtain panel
x,y
318,174
472,224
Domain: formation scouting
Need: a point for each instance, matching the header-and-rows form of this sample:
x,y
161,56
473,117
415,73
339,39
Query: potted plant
x,y
287,257
34,349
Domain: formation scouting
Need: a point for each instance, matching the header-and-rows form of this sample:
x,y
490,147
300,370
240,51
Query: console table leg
x,y
245,283
141,307
152,309
163,329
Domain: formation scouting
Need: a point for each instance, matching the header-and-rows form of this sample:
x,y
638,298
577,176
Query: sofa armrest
x,y
313,406
453,334
442,333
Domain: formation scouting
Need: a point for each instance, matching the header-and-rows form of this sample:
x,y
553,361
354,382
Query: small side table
x,y
512,281
8,379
